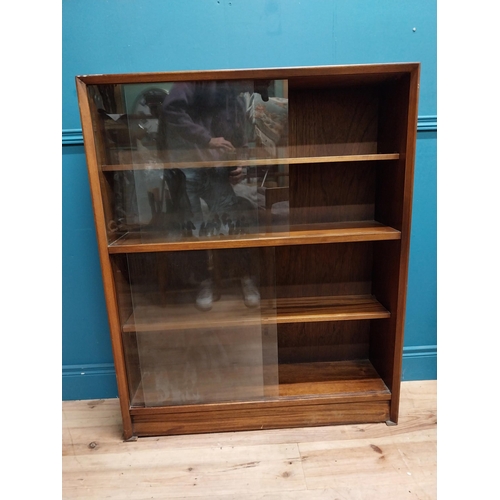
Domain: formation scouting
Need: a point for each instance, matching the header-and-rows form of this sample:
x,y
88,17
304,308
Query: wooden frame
x,y
338,323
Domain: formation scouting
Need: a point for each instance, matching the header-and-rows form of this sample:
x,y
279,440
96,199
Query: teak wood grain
x,y
106,268
307,394
303,76
310,234
349,165
231,312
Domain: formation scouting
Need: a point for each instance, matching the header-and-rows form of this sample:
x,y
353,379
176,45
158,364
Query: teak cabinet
x,y
253,229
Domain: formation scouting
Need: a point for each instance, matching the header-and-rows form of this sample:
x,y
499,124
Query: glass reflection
x,y
187,159
183,349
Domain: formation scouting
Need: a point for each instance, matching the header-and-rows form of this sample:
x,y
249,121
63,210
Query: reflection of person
x,y
206,122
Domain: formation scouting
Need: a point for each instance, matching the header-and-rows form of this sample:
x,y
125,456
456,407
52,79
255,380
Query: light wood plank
x,y
339,465
348,462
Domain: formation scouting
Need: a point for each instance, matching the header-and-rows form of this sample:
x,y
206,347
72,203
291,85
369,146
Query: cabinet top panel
x,y
358,73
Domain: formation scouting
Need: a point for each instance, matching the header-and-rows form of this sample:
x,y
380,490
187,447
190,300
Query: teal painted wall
x,y
121,36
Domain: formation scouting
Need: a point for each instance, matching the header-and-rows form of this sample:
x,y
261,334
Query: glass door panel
x,y
174,154
205,326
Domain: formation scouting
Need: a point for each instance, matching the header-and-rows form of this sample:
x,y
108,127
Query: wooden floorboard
x,y
346,462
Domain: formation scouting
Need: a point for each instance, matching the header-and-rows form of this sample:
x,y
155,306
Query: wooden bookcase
x,y
321,223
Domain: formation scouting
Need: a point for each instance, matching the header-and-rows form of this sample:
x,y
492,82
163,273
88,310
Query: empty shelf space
x,y
342,379
299,384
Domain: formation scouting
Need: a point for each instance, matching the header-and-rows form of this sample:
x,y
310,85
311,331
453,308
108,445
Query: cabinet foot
x,y
130,439
390,423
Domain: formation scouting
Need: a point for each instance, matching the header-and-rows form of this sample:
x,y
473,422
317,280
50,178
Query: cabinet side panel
x,y
107,272
386,257
390,193
397,131
393,138
393,116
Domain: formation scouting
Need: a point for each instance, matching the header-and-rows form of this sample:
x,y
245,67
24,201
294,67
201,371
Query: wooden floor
x,y
348,462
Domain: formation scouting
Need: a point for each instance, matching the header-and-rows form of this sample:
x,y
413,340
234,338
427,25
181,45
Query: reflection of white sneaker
x,y
251,295
205,297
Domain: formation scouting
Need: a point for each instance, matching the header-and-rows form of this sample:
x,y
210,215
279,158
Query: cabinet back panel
x,y
318,270
329,341
332,192
341,121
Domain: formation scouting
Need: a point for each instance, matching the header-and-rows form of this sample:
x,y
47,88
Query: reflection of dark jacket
x,y
193,113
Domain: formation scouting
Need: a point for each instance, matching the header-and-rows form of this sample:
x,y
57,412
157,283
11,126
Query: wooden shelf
x,y
149,241
300,384
340,308
343,380
253,162
230,311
